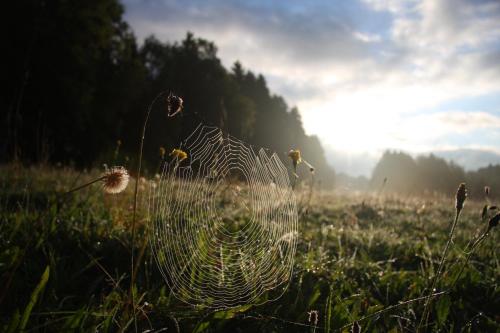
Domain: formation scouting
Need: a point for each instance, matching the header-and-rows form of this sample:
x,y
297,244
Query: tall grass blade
x,y
34,298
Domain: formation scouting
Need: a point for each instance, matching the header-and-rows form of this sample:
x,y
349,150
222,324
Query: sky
x,y
366,75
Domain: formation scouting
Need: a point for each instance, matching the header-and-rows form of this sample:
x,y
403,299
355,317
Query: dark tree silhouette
x,y
78,82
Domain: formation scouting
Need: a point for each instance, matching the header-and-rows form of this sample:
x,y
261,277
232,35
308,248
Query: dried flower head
x,y
487,190
174,105
460,197
162,152
115,180
313,317
356,327
494,221
179,154
295,157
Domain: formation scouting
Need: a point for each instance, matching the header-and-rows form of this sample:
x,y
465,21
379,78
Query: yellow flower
x,y
295,157
179,154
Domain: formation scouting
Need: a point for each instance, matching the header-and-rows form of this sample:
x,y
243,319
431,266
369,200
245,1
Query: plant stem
x,y
134,215
85,185
469,255
440,268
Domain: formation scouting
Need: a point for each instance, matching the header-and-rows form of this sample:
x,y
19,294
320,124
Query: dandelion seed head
x,y
115,180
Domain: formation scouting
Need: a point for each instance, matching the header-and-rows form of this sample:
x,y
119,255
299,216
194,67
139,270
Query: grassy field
x,y
365,258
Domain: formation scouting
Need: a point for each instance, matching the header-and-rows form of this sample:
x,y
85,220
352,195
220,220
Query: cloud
x,y
303,43
445,130
366,75
367,37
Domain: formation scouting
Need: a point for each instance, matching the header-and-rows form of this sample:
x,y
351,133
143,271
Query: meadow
x,y
364,263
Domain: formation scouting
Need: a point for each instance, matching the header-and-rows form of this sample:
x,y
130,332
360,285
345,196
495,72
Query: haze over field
x,y
368,75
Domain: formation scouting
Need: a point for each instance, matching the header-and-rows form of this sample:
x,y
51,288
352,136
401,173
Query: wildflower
x,y
460,197
295,157
115,180
179,154
174,105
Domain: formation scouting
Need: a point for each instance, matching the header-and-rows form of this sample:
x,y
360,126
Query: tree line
x,y
80,83
401,173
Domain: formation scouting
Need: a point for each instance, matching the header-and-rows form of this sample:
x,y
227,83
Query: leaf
x,y
201,327
328,312
14,322
34,298
314,297
443,309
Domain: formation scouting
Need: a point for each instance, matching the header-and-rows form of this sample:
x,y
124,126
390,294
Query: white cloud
x,y
358,88
393,6
427,132
367,37
444,26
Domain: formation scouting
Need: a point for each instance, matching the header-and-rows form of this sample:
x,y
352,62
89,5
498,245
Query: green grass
x,y
65,265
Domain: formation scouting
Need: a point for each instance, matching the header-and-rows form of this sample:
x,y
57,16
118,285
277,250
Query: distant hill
x,y
362,164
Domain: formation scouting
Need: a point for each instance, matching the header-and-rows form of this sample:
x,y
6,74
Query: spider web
x,y
224,221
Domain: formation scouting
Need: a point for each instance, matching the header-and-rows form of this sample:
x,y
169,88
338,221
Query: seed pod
x,y
460,197
356,327
494,221
313,317
174,105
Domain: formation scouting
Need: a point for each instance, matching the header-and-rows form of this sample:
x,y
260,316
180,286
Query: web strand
x,y
224,221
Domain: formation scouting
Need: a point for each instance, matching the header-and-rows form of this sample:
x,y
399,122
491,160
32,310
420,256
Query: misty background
x,y
367,90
